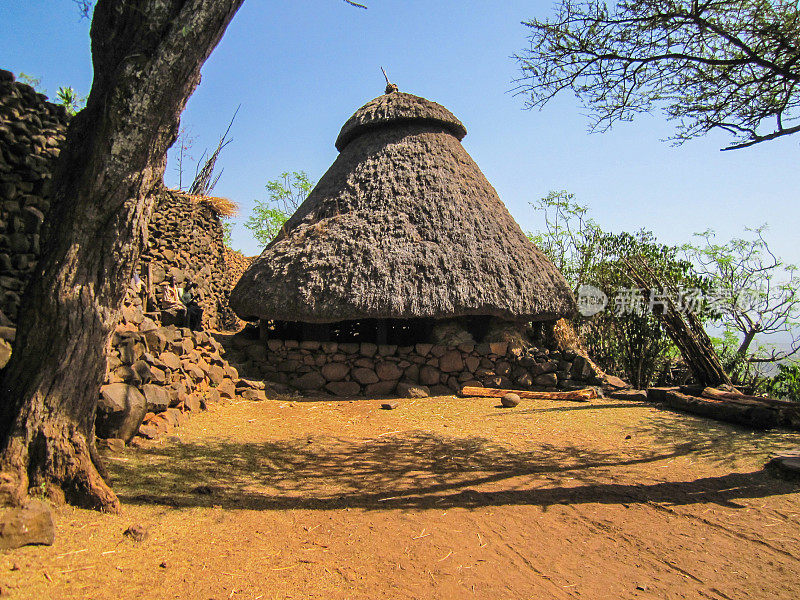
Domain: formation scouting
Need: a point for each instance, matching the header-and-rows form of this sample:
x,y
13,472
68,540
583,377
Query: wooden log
x,y
716,394
577,395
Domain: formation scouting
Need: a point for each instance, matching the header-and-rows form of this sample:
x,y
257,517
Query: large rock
x,y
412,390
388,371
498,348
310,381
156,340
227,389
253,394
157,398
142,370
216,374
547,380
335,371
368,349
472,362
120,411
170,360
451,362
549,366
429,375
525,380
31,524
365,376
382,388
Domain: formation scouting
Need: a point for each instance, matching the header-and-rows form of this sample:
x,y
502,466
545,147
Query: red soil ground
x,y
441,498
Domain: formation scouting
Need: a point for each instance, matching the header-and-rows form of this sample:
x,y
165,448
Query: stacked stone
x,y
157,376
31,131
351,369
236,264
186,242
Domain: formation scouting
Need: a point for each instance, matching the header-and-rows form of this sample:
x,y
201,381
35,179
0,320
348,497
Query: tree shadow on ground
x,y
416,470
717,442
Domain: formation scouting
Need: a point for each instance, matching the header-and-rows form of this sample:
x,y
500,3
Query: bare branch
x,y
723,64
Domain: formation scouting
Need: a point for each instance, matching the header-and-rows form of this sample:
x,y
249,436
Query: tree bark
x,y
748,339
482,392
147,56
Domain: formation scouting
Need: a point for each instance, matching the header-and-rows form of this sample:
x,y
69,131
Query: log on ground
x,y
577,395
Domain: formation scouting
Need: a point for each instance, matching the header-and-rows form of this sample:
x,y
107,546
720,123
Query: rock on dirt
x,y
510,400
32,524
137,532
785,464
412,390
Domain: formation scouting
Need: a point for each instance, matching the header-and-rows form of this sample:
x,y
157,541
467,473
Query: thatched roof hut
x,y
402,226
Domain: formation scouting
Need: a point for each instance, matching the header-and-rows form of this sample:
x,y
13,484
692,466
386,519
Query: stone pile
x,y
186,242
352,369
157,376
31,131
185,236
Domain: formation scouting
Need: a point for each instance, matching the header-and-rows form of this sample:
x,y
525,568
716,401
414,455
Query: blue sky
x,y
300,69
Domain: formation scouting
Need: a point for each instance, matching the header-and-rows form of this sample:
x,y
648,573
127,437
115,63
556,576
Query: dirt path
x,y
441,498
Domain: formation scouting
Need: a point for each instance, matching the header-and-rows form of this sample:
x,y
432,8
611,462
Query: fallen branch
x,y
481,392
716,394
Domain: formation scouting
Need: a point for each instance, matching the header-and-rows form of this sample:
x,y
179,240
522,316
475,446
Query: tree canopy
x,y
716,64
285,194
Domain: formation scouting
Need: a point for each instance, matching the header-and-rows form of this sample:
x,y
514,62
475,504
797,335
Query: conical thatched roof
x,y
403,225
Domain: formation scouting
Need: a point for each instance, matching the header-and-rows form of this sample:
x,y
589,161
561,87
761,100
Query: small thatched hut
x,y
402,233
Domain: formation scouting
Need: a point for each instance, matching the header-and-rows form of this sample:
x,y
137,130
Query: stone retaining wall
x,y
31,131
185,242
156,376
368,369
185,237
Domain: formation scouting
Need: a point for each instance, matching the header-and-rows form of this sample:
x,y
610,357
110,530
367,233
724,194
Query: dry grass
x,y
567,338
224,207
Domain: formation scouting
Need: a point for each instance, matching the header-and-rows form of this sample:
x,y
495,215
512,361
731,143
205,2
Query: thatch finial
x,y
390,87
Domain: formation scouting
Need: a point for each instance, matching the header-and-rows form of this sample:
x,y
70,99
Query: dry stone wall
x,y
31,131
157,375
185,237
367,369
186,242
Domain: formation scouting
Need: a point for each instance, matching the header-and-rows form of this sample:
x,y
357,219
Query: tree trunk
x,y
745,345
147,57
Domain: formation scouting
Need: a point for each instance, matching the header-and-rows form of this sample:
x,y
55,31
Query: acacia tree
x,y
285,194
147,56
710,64
755,295
626,337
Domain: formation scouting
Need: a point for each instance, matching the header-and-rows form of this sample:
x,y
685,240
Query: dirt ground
x,y
440,498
